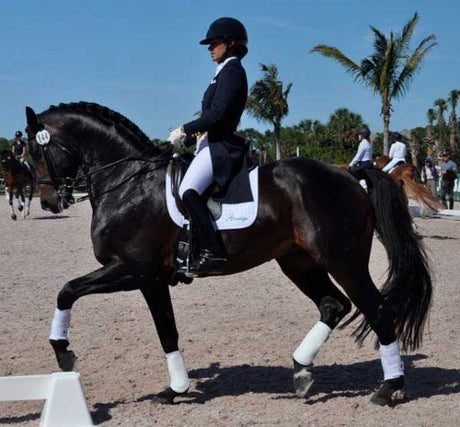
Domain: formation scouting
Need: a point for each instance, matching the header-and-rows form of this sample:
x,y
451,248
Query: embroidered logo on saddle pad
x,y
233,216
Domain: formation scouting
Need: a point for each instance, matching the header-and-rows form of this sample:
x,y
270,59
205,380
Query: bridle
x,y
64,185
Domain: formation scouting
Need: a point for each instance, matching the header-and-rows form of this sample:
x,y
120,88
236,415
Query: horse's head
x,y
8,159
381,161
55,161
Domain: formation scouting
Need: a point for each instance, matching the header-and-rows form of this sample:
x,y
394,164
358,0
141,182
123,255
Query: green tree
x,y
344,126
267,101
431,117
440,131
453,100
415,142
442,107
389,70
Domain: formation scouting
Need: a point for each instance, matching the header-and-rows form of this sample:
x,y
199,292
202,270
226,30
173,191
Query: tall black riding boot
x,y
211,258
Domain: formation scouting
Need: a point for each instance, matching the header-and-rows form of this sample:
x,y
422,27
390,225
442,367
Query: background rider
x,y
397,153
363,157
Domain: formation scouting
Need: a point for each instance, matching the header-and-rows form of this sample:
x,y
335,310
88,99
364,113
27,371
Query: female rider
x,y
219,152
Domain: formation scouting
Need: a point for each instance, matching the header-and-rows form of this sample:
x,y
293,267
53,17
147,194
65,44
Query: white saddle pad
x,y
234,216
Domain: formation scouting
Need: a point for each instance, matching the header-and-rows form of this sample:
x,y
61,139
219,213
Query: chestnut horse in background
x,y
407,174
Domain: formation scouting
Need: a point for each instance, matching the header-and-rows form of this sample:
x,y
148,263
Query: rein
x,y
162,161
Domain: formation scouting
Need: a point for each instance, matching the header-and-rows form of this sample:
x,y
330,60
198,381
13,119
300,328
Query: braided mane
x,y
103,113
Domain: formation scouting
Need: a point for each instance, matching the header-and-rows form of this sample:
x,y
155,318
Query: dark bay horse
x,y
407,173
17,178
314,219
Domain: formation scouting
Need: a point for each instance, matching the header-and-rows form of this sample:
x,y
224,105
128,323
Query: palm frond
x,y
334,53
406,35
412,66
380,42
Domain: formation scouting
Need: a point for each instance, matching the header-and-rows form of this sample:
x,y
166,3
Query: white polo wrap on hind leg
x,y
393,366
60,325
309,347
177,372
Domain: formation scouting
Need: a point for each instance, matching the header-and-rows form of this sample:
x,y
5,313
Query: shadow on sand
x,y
331,382
357,379
50,217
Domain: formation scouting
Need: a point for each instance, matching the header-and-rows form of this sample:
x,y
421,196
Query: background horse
x,y
17,177
314,219
408,174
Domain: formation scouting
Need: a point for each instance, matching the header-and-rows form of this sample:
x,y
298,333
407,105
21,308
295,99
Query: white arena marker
x,y
450,212
65,401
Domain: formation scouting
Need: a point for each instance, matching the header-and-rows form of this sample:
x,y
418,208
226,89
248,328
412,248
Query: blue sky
x,y
142,58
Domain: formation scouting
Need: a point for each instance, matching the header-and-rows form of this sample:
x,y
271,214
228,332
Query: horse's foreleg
x,y
29,199
112,277
332,304
22,202
159,301
10,201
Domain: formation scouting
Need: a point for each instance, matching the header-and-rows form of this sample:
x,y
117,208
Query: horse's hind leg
x,y
333,305
112,277
364,294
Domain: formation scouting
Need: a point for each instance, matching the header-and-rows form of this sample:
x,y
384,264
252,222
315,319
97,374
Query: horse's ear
x,y
33,121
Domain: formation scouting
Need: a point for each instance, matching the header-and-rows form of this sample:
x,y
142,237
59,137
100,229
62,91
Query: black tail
x,y
408,288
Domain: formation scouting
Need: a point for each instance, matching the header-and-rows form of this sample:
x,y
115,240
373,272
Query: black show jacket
x,y
222,106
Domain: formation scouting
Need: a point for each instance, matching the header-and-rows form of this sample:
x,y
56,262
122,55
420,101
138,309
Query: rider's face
x,y
218,48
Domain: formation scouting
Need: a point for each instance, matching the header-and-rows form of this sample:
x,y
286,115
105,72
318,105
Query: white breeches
x,y
199,175
392,164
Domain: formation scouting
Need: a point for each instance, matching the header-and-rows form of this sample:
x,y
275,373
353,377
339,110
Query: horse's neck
x,y
97,156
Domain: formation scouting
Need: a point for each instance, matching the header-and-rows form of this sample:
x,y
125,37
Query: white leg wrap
x,y
392,364
177,372
309,347
60,325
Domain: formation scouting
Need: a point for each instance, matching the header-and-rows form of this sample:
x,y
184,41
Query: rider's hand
x,y
177,138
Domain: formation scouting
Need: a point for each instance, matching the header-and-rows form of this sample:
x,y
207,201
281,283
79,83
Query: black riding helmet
x,y
365,132
227,28
18,134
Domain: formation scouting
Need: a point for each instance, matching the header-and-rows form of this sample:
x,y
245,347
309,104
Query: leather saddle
x,y
179,165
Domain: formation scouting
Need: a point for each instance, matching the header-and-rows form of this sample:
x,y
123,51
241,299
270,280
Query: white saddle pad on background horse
x,y
234,216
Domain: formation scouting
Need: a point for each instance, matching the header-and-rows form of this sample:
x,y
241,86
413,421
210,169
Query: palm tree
x,y
389,70
431,117
453,100
267,101
442,107
415,138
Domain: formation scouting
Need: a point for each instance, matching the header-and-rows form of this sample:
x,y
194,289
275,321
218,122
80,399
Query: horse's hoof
x,y
303,379
20,208
67,360
14,217
384,395
167,396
